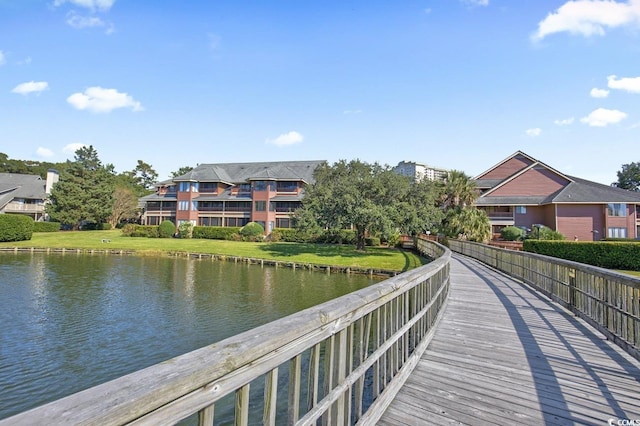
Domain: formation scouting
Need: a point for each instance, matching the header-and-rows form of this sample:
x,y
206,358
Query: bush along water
x,y
14,227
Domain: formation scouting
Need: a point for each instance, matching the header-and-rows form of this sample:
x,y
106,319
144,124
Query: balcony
x,y
24,208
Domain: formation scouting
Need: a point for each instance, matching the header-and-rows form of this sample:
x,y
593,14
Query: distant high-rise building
x,y
418,171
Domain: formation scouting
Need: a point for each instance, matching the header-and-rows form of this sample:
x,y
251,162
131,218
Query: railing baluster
x,y
294,388
205,416
270,398
242,406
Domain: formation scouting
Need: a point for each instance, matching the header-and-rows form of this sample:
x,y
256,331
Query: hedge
x,y
15,227
131,230
215,232
607,254
46,226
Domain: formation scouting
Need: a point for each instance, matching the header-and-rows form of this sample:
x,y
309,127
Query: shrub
x,y
252,230
131,230
372,241
14,227
337,236
92,226
46,226
512,233
166,229
291,235
215,232
545,233
185,230
610,255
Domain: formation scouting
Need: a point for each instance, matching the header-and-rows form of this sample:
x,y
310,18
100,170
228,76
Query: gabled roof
x,y
575,191
236,173
14,185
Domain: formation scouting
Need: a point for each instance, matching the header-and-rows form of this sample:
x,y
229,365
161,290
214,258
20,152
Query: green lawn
x,y
374,257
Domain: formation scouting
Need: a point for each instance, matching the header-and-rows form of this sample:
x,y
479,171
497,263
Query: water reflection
x,y
71,322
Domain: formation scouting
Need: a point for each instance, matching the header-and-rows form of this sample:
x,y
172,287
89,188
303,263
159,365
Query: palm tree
x,y
468,223
459,190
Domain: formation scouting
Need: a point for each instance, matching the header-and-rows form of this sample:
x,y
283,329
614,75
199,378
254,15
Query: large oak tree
x,y
371,198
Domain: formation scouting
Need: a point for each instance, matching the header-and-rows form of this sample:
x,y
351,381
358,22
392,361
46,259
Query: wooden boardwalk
x,y
504,355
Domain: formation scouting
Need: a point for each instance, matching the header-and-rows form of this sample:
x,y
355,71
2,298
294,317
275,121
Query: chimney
x,y
52,179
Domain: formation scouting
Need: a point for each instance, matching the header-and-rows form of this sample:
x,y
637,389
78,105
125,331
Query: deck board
x,y
503,354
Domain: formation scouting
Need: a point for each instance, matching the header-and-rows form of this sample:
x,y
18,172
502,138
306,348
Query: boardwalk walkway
x,y
504,355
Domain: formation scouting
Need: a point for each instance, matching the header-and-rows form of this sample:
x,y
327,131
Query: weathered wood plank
x,y
504,354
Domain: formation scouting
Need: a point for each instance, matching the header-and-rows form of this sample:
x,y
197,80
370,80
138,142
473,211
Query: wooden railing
x,y
340,362
608,300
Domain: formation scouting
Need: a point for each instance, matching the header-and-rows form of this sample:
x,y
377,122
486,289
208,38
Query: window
x,y
210,187
521,209
260,206
210,221
283,223
245,187
263,185
183,205
617,209
194,206
236,221
287,186
617,232
189,187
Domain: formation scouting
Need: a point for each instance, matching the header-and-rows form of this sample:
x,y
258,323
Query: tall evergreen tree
x,y
84,192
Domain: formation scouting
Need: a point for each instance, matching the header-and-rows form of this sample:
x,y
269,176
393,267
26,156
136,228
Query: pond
x,y
69,322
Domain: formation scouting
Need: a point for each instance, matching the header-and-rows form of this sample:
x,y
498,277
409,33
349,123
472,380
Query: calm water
x,y
69,322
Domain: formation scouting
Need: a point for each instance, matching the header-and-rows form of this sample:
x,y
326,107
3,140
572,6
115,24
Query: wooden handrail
x,y
608,300
341,362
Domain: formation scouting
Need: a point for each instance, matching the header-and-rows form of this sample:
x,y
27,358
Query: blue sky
x,y
457,84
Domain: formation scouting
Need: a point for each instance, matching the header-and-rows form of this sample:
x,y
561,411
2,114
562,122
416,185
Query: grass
x,y
339,255
634,273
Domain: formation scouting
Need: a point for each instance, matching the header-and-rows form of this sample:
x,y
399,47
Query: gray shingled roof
x,y
584,191
236,173
577,192
14,185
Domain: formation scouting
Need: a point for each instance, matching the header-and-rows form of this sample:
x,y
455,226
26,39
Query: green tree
x,y
459,190
144,175
368,197
84,192
181,171
468,223
629,177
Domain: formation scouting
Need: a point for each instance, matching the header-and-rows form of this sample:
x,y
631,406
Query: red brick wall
x,y
534,182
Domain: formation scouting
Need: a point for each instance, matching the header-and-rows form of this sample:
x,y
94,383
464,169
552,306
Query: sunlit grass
x,y
320,254
634,273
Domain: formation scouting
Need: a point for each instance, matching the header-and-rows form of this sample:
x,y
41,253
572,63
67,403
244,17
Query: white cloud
x,y
73,147
30,87
44,152
599,93
352,111
476,2
589,17
286,139
628,84
533,132
2,58
602,117
565,122
77,21
98,99
102,5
